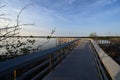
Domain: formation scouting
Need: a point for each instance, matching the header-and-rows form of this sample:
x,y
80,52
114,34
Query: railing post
x,y
58,56
14,73
50,63
64,52
70,48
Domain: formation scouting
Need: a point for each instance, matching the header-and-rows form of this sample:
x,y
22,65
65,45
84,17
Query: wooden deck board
x,y
79,65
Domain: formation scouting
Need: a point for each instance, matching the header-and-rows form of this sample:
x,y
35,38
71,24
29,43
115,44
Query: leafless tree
x,y
9,31
3,14
17,46
12,30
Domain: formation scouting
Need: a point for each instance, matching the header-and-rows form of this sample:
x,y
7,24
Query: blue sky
x,y
69,17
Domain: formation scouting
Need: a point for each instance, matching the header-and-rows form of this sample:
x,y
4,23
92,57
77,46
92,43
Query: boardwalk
x,y
79,65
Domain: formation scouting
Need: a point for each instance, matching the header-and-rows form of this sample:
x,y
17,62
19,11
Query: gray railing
x,y
35,66
112,68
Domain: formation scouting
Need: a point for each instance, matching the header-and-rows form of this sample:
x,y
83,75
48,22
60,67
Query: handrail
x,y
110,65
10,66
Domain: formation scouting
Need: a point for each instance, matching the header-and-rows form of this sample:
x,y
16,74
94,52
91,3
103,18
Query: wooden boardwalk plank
x,y
79,65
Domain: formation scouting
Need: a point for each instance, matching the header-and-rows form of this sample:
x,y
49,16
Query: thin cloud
x,y
47,10
100,3
60,17
71,2
114,0
109,12
52,13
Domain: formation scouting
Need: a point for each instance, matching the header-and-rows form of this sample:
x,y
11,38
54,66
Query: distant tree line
x,y
93,34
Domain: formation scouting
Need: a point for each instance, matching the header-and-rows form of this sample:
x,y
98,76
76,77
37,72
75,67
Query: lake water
x,y
42,42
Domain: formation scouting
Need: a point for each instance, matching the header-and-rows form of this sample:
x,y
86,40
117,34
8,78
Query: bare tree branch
x,y
53,31
2,14
8,36
10,27
5,18
18,16
10,31
2,6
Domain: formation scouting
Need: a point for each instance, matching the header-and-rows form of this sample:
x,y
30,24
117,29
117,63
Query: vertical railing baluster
x,y
58,56
15,75
50,63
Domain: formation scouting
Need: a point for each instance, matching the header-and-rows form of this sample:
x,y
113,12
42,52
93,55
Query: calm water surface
x,y
42,42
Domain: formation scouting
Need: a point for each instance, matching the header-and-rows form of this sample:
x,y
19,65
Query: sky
x,y
67,17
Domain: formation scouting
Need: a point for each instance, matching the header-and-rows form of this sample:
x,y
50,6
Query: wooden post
x,y
61,51
14,74
50,63
56,41
58,56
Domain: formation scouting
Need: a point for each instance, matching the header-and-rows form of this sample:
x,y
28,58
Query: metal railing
x,y
35,66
